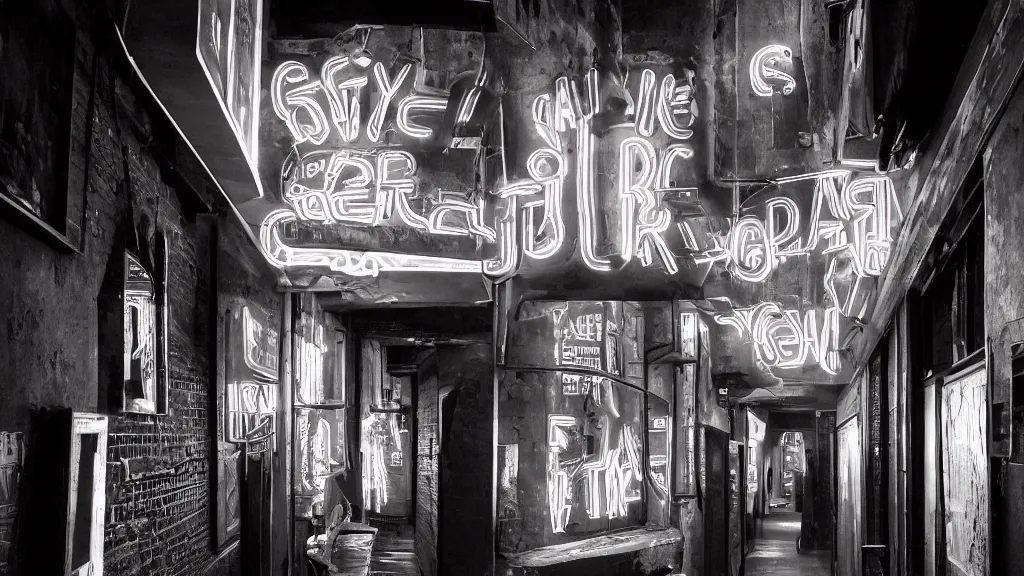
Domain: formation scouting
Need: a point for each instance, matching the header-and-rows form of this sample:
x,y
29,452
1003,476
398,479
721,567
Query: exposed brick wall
x,y
426,466
158,521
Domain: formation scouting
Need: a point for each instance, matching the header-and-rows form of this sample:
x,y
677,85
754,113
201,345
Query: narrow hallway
x,y
775,551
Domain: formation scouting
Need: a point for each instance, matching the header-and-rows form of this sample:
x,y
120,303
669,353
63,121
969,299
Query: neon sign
x,y
251,410
851,219
378,186
611,477
784,339
349,170
762,69
260,346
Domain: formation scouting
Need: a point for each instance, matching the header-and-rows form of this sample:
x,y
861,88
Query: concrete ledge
x,y
611,544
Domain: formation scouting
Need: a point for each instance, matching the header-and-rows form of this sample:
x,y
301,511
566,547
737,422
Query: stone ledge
x,y
610,544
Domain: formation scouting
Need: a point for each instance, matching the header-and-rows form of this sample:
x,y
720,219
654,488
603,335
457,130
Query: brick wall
x,y
158,521
426,466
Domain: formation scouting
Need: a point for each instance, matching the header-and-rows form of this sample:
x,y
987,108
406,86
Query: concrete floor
x,y
775,551
394,552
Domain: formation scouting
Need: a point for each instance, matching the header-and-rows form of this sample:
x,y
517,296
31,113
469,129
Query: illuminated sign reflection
x,y
594,465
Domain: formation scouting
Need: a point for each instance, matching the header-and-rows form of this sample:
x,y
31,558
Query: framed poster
x,y
245,407
38,72
965,471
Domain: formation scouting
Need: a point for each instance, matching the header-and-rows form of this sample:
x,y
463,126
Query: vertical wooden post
x,y
284,439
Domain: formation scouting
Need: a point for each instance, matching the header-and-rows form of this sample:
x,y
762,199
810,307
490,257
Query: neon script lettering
x,y
782,338
332,180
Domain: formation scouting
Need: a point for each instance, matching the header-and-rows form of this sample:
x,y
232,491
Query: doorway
x,y
848,481
425,439
393,404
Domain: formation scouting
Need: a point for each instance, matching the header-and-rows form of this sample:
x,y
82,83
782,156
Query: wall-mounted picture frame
x,y
67,465
134,332
35,122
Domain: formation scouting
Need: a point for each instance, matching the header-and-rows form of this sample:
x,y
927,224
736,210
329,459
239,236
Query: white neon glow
x,y
668,158
545,167
762,69
451,204
566,107
645,107
292,92
395,169
586,195
387,88
752,253
782,227
782,339
617,469
343,96
468,104
542,122
674,101
350,262
591,103
873,205
644,221
560,495
413,102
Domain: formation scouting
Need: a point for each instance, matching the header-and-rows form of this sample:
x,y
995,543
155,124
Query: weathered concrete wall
x,y
466,528
1004,303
